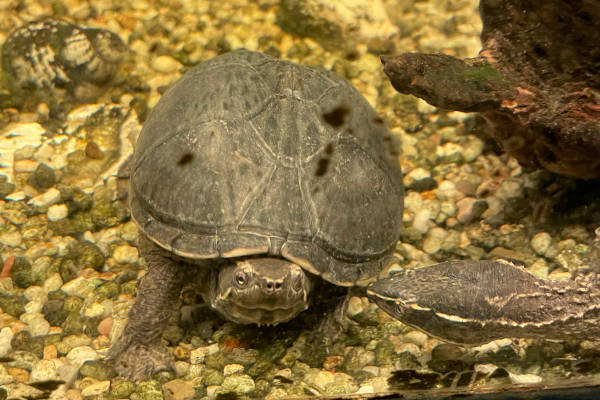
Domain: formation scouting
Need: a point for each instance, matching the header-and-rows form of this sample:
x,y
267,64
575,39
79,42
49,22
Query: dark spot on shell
x,y
337,116
185,159
323,163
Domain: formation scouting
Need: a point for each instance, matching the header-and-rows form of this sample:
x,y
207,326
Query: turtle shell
x,y
247,154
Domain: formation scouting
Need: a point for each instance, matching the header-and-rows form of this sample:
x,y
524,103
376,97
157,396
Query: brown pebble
x,y
19,374
7,267
50,352
332,361
93,151
105,326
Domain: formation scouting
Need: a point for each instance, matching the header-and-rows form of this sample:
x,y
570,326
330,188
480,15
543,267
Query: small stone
x,y
94,310
105,325
540,242
524,379
25,166
98,370
57,212
36,323
433,240
421,220
126,254
42,178
164,64
231,369
197,355
178,389
81,354
53,283
238,384
355,306
417,337
43,370
11,239
16,196
331,362
46,199
96,389
6,336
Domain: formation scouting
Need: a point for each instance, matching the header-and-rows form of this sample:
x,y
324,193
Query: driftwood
x,y
536,82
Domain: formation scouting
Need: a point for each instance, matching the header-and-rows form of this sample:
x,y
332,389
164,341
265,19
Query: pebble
x,y
6,335
417,337
355,306
126,254
433,240
57,212
81,354
197,355
37,324
19,195
11,239
25,166
94,310
238,384
96,389
421,220
53,283
164,64
524,379
178,389
540,242
231,369
43,370
105,326
46,199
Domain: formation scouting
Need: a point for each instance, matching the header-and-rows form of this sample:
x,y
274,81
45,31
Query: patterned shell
x,y
250,155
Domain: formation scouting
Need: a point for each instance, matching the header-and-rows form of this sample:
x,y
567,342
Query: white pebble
x,y
11,239
94,310
6,335
231,369
524,379
197,355
96,389
46,199
126,254
43,370
421,221
19,195
540,242
355,306
54,282
37,324
81,354
57,212
25,166
164,64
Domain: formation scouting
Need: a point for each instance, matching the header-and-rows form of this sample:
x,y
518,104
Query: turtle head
x,y
260,290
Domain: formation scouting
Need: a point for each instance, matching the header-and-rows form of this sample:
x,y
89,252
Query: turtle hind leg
x,y
139,353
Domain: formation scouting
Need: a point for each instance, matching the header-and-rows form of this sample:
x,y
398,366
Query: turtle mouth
x,y
267,315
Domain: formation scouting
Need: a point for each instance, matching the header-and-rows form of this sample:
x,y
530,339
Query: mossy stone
x,y
42,178
13,304
98,370
212,377
6,187
22,274
23,340
122,389
107,290
149,390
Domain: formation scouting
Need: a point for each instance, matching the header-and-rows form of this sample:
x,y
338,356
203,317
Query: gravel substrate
x,y
69,261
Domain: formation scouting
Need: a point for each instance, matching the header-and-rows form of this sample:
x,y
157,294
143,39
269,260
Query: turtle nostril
x,y
278,285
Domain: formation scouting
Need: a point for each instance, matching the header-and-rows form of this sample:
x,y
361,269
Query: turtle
x,y
258,178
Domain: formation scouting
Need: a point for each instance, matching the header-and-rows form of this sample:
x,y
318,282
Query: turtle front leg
x,y
139,353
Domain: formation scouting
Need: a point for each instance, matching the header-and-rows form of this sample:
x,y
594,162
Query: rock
x,y
97,369
164,64
96,389
46,199
43,370
126,254
524,379
6,336
11,238
42,178
81,354
238,383
231,369
198,355
540,242
434,239
57,212
178,389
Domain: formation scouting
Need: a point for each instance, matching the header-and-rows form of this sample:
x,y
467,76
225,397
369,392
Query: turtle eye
x,y
240,278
